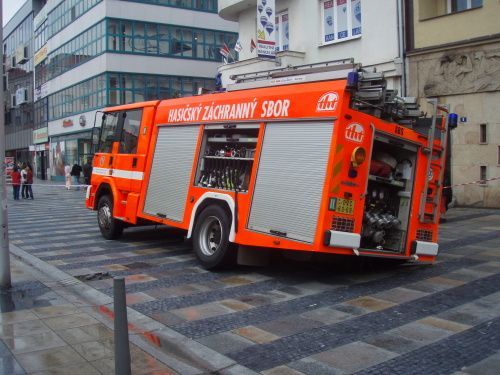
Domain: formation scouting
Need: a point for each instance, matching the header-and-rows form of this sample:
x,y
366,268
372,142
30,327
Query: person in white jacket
x,y
67,175
24,175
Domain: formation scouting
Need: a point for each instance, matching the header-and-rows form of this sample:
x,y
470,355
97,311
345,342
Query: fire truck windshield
x,y
109,131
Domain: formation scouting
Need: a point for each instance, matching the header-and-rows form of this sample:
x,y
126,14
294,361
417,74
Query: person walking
x,y
75,174
16,182
87,171
24,173
29,182
67,176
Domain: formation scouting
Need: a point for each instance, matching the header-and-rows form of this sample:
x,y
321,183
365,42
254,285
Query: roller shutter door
x,y
171,171
290,179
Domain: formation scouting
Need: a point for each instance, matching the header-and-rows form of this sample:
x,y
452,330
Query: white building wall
x,y
377,46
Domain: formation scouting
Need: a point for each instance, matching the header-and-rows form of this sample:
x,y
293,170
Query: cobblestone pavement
x,y
293,317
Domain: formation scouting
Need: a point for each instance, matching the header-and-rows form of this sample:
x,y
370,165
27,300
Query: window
x,y
130,134
109,128
66,12
483,175
200,5
80,49
454,6
341,20
483,134
281,26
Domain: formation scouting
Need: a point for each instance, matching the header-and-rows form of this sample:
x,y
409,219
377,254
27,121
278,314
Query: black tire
x,y
211,239
111,228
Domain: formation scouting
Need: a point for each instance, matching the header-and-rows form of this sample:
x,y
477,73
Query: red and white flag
x,y
252,45
224,50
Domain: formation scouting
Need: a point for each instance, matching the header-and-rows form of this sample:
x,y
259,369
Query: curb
x,y
180,353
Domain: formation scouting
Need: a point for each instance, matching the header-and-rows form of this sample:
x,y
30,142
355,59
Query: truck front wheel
x,y
110,227
211,239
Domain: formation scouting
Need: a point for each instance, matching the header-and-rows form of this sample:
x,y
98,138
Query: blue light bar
x,y
352,79
452,120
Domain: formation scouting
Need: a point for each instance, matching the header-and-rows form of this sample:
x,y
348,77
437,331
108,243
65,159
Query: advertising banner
x,y
41,135
342,19
41,91
41,54
329,31
8,165
266,34
356,17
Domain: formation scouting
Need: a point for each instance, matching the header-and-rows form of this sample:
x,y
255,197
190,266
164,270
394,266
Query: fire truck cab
x,y
313,159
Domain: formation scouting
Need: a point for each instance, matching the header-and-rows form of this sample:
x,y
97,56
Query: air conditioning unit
x,y
21,96
22,54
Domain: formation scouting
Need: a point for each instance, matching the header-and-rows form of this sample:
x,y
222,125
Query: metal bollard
x,y
122,349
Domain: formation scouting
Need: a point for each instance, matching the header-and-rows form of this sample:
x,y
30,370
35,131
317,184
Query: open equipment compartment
x,y
389,191
226,157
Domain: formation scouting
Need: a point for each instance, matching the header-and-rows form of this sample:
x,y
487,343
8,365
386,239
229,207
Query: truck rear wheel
x,y
110,227
211,239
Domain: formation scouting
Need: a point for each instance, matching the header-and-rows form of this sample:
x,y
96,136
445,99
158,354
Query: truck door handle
x,y
111,160
134,162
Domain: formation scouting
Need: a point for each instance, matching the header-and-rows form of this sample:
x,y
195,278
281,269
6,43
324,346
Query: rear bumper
x,y
424,248
342,239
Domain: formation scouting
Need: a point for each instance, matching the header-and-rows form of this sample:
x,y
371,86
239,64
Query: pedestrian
x,y
24,176
67,176
75,173
16,182
29,182
87,171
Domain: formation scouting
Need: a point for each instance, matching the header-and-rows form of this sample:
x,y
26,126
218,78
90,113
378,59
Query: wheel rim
x,y
210,236
104,217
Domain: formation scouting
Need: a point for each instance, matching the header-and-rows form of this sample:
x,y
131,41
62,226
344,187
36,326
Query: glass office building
x,y
92,54
18,49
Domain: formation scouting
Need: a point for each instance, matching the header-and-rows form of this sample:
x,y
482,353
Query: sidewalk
x,y
42,332
52,323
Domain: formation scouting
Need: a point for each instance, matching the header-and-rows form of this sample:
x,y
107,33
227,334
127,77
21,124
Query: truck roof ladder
x,y
337,69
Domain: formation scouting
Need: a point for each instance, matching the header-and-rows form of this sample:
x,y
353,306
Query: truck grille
x,y
343,224
424,235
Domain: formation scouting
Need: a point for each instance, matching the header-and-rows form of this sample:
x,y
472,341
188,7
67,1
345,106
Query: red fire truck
x,y
313,159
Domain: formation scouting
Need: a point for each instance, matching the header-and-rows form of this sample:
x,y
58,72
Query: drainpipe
x,y
401,47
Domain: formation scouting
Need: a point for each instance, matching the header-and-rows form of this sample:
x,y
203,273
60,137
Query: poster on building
x,y
342,19
356,17
9,165
284,31
329,31
266,34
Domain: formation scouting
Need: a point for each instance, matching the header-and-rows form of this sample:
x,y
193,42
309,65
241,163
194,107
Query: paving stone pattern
x,y
292,317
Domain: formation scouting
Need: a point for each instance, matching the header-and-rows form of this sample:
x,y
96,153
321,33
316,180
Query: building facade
x,y
318,31
92,54
454,55
18,47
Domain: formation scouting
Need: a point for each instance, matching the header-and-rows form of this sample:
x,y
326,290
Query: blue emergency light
x,y
452,120
352,80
